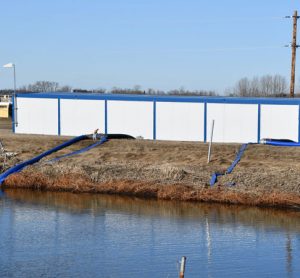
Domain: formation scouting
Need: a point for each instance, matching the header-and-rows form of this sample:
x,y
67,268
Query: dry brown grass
x,y
179,192
266,176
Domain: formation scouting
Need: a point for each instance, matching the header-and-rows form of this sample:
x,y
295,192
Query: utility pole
x,y
294,47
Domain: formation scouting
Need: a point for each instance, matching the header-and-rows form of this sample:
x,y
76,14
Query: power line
x,y
195,50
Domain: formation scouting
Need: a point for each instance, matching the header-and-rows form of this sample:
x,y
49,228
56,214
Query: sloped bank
x,y
266,176
82,183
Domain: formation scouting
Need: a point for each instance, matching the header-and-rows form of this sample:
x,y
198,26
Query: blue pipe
x,y
214,177
271,142
281,143
100,142
21,166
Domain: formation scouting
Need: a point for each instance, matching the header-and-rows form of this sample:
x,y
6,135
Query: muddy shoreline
x,y
175,192
266,176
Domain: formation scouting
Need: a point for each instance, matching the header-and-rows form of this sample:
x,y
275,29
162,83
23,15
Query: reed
x,y
79,183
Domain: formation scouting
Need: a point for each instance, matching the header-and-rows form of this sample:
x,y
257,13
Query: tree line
x,y
264,86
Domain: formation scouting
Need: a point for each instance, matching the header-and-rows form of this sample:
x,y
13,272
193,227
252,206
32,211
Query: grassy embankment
x,y
266,176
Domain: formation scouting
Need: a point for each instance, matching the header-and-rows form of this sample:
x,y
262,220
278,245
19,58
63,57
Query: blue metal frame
x,y
13,115
258,122
105,118
59,126
299,125
154,120
205,123
155,99
196,99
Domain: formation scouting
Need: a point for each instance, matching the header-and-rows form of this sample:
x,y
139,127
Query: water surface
x,y
82,235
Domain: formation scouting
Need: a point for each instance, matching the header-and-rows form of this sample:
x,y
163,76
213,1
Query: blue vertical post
x,y
105,117
258,123
299,125
13,115
205,122
154,120
59,126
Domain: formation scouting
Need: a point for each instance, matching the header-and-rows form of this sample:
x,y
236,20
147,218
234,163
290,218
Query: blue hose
x,y
17,168
281,143
21,166
102,140
214,177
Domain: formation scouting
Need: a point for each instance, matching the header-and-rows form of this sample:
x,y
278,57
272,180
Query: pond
x,y
46,234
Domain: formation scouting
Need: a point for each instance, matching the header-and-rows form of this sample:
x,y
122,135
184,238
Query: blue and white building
x,y
178,118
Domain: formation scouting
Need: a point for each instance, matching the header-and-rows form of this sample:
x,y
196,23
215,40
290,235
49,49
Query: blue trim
x,y
299,125
195,99
105,117
13,115
59,126
258,122
205,122
154,120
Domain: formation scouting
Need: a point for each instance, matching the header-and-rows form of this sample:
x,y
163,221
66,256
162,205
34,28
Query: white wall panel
x,y
180,121
236,123
37,116
131,117
279,122
82,116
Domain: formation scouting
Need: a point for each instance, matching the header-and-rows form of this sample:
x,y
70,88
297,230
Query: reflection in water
x,y
208,239
145,236
289,257
208,243
96,204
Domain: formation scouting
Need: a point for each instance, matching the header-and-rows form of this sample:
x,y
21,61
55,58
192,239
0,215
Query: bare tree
x,y
255,87
264,86
183,92
242,87
279,85
99,91
136,90
151,91
64,88
43,86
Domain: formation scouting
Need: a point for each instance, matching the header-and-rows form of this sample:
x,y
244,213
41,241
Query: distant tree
x,y
243,87
155,92
99,91
6,92
43,86
183,92
265,86
136,90
116,90
279,85
64,88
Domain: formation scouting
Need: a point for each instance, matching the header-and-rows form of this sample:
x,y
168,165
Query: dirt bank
x,y
267,176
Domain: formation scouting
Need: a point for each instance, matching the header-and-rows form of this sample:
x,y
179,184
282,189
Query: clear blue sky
x,y
161,44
